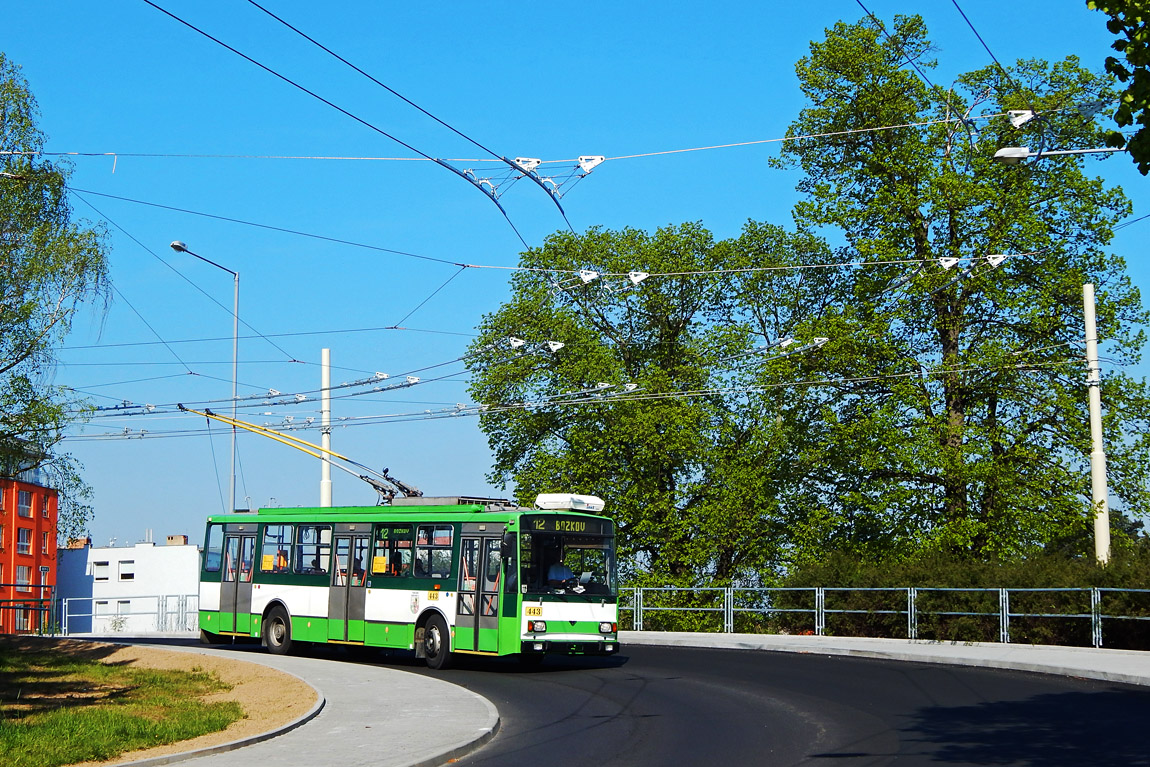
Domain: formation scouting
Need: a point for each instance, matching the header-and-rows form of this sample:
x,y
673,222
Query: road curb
x,y
465,749
1122,666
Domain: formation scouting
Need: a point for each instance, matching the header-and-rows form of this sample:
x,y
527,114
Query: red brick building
x,y
27,552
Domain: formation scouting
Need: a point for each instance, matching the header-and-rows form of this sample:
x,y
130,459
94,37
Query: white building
x,y
132,590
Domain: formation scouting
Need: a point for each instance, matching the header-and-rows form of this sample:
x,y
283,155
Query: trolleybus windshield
x,y
562,555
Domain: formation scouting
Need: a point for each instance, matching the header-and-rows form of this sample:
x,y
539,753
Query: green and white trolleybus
x,y
435,575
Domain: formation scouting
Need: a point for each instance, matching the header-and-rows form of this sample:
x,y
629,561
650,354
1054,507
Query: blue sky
x,y
548,80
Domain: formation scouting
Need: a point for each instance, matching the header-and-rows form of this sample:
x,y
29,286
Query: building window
x,y
1,537
44,543
24,503
128,570
101,607
23,578
23,540
23,622
100,571
124,607
44,508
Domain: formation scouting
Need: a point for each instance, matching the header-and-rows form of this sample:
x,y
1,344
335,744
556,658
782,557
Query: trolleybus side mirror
x,y
507,546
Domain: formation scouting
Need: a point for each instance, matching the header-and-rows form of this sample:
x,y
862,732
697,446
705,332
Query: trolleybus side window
x,y
214,549
433,551
275,550
469,573
231,559
247,554
491,578
392,554
313,549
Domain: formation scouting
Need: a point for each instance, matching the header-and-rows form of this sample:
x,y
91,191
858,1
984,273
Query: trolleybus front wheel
x,y
436,642
277,632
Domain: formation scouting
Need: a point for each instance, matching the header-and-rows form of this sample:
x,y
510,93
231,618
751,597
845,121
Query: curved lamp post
x,y
180,247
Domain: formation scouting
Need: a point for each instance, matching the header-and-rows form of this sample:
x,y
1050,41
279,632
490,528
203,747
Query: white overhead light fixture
x,y
1012,155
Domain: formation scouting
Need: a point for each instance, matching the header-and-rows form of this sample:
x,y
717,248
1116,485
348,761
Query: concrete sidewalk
x,y
370,715
1129,666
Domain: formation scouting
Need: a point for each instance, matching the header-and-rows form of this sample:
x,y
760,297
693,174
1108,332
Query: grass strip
x,y
61,705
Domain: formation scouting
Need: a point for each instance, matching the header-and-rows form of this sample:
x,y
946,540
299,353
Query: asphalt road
x,y
679,706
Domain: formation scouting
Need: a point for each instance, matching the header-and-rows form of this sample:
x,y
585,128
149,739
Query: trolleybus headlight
x,y
537,627
608,628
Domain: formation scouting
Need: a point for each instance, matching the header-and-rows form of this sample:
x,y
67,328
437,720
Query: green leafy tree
x,y
691,461
945,411
972,436
49,265
1129,21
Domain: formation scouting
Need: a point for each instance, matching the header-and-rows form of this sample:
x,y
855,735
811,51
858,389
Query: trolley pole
x,y
1098,489
325,430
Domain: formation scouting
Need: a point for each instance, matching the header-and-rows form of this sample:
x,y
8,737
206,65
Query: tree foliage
x,y
946,411
49,265
679,460
1129,21
981,446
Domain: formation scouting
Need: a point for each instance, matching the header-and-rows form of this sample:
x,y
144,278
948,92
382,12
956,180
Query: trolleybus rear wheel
x,y
277,632
436,642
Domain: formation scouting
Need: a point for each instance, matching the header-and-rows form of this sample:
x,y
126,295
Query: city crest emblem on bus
x,y
414,602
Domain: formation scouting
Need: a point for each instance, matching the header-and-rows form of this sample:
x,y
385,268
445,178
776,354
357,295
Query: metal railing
x,y
144,613
719,609
26,608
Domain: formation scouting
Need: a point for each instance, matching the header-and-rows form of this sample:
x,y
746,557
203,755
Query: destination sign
x,y
575,525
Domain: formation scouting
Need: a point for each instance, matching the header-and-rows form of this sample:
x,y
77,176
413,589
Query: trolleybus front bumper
x,y
568,647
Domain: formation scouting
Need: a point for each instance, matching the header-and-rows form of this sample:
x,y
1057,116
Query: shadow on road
x,y
1053,730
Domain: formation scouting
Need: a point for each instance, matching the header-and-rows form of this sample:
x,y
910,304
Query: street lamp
x,y
1099,492
1012,155
180,247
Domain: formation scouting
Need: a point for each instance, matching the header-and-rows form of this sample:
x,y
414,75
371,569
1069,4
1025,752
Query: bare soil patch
x,y
269,698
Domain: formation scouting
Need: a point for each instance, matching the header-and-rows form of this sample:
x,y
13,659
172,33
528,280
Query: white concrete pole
x,y
235,381
325,431
1098,490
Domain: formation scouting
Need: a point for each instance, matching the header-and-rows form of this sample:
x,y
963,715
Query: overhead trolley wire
x,y
386,87
993,58
540,270
336,107
474,410
433,293
529,172
268,227
75,193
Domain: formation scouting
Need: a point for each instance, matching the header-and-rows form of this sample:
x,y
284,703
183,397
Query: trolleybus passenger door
x,y
477,614
236,593
347,596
